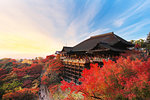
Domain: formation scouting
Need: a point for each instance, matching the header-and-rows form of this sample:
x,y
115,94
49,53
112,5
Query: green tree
x,y
10,87
141,42
132,41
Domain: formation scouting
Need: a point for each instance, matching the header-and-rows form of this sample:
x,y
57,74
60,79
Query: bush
x,y
25,94
52,72
125,79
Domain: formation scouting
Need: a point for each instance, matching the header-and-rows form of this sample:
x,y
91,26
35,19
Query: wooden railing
x,y
72,71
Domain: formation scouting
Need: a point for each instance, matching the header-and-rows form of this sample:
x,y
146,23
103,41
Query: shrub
x,y
125,79
3,73
52,72
34,70
25,94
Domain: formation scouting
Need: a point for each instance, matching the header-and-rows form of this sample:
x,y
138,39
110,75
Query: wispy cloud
x,y
134,30
81,24
135,10
96,32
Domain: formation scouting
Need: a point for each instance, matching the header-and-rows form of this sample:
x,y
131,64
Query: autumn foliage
x,y
19,81
125,79
34,70
25,94
52,73
3,73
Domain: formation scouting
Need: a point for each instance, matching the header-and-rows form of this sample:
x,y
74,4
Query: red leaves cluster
x,y
55,65
53,88
25,94
126,79
34,70
44,80
53,68
137,45
3,73
27,83
133,54
50,57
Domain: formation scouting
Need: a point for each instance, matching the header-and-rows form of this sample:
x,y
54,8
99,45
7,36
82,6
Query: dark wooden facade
x,y
72,71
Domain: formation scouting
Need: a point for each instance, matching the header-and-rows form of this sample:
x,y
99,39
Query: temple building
x,y
148,38
93,50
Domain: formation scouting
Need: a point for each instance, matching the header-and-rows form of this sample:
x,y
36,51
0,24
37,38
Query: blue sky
x,y
30,28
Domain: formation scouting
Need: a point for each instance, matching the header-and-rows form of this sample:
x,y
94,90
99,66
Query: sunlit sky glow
x,y
30,28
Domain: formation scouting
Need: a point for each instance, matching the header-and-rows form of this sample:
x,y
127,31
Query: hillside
x,y
21,81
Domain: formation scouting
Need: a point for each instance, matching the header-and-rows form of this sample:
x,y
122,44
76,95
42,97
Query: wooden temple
x,y
93,50
148,38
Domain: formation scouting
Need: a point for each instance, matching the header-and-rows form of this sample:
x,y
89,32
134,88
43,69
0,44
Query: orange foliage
x,y
53,69
34,70
25,94
126,79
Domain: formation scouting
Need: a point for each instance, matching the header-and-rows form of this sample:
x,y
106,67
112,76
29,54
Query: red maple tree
x,y
125,79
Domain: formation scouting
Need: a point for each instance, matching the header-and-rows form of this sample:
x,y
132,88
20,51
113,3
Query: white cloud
x,y
135,11
119,22
100,31
80,24
134,28
96,32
